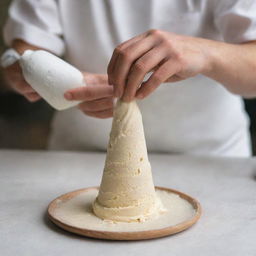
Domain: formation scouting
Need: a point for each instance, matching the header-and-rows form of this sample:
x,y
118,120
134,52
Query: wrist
x,y
21,46
10,56
210,51
218,55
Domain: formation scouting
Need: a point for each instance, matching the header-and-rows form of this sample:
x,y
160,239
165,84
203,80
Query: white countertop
x,y
225,187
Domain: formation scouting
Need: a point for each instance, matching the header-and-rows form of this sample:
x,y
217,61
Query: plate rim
x,y
126,235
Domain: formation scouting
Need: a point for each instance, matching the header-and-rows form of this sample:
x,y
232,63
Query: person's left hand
x,y
97,96
171,57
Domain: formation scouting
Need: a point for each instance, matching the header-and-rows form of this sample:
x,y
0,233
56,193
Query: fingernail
x,y
68,95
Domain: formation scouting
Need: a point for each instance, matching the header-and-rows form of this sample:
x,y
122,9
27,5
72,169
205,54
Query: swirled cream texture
x,y
127,192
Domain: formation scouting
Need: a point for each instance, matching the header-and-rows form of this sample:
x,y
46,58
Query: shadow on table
x,y
60,231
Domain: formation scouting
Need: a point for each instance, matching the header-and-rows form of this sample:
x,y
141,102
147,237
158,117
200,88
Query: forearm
x,y
234,66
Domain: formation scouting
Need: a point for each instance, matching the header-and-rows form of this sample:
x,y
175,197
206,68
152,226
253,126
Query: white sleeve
x,y
236,20
36,22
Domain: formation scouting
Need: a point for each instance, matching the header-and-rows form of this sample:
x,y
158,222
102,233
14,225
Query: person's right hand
x,y
97,96
15,80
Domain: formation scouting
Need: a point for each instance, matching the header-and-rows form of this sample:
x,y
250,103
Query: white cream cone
x,y
127,191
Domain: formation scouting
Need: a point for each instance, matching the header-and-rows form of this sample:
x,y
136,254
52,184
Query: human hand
x,y
169,56
97,96
15,80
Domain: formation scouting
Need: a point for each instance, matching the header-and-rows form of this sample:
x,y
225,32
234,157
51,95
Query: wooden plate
x,y
133,235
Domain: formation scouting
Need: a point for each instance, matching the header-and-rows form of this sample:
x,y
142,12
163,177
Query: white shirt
x,y
195,116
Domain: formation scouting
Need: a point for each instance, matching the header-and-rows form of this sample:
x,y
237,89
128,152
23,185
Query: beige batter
x,y
127,190
77,212
127,199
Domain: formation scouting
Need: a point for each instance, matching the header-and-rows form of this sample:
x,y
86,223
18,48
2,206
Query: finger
x,y
32,97
95,79
173,79
134,39
125,60
88,93
140,68
166,70
100,114
113,59
111,66
96,105
22,87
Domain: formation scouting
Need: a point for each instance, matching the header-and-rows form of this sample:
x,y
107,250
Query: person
x,y
186,62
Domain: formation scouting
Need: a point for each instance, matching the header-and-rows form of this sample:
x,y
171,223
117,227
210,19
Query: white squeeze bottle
x,y
50,77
